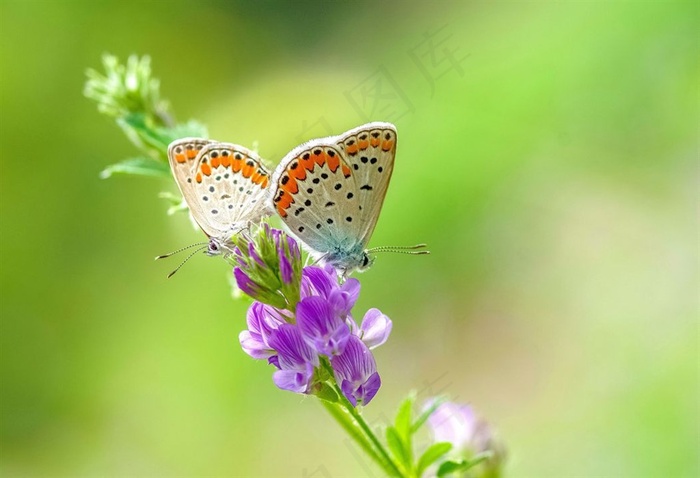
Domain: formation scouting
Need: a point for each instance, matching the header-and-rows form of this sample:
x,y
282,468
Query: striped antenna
x,y
187,259
182,249
400,249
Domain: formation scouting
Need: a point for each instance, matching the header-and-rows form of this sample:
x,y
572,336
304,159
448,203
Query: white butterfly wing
x,y
225,186
330,191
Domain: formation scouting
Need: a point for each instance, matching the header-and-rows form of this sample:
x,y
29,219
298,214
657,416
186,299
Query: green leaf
x,y
145,135
139,167
431,455
403,416
397,447
423,417
448,467
402,424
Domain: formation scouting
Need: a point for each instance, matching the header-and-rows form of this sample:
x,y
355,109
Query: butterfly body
x,y
224,185
329,192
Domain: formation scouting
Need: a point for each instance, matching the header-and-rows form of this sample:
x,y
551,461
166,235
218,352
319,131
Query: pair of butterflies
x,y
328,191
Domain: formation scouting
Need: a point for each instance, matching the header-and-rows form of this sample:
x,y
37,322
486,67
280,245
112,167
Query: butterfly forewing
x,y
314,189
330,191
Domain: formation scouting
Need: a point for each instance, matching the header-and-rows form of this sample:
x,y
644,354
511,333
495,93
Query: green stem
x,y
385,459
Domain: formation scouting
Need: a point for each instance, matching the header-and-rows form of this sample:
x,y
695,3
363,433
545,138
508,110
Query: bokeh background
x,y
547,154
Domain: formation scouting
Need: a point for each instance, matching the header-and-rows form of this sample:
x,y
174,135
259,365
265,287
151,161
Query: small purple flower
x,y
321,326
262,320
296,360
356,372
323,282
469,434
375,328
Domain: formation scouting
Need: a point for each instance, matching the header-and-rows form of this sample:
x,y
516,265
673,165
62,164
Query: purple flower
x,y
262,320
323,282
469,434
375,328
296,360
356,372
321,326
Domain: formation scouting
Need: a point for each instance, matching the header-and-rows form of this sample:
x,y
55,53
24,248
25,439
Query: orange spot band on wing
x,y
346,171
307,164
205,168
333,162
320,159
288,183
226,161
199,177
215,162
259,177
387,145
236,165
299,172
283,201
363,144
191,153
374,142
180,158
352,149
248,169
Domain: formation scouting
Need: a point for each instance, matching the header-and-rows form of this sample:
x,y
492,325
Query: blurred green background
x,y
547,154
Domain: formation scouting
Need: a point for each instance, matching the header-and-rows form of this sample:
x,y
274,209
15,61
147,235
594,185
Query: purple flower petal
x,y
293,351
363,393
262,320
453,423
321,326
375,328
254,254
352,288
296,359
297,381
356,372
286,269
317,281
253,345
245,283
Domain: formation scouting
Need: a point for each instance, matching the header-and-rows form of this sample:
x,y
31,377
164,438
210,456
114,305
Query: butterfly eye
x,y
213,249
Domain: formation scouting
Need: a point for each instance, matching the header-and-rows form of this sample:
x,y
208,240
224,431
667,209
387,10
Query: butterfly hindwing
x,y
224,185
182,155
230,186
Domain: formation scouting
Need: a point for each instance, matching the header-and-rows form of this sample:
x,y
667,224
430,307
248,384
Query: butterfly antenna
x,y
186,259
401,249
180,250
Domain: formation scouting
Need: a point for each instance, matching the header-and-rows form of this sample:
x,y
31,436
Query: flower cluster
x,y
301,320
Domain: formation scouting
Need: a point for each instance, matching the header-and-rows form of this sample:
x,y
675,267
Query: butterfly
x,y
329,192
224,185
